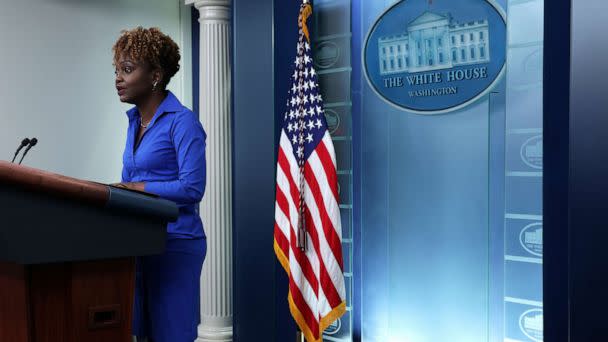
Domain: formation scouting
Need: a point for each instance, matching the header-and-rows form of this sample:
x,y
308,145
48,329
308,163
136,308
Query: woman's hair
x,y
150,46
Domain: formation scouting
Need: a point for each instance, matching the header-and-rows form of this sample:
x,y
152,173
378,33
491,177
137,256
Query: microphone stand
x,y
32,143
24,143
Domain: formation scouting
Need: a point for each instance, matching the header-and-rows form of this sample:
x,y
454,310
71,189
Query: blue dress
x,y
170,160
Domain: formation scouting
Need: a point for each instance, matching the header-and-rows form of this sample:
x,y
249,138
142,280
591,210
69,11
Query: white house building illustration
x,y
535,237
535,151
434,41
534,323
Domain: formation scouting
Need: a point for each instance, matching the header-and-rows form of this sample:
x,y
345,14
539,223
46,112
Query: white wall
x,y
57,79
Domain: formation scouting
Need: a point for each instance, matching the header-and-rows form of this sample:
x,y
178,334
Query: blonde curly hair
x,y
151,46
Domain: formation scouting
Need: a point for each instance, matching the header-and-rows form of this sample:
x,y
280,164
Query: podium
x,y
67,255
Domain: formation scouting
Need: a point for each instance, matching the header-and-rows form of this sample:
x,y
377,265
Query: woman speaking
x,y
164,155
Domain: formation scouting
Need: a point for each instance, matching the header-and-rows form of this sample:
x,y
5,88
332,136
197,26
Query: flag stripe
x,y
300,296
303,261
302,284
327,283
329,261
329,258
289,163
329,230
309,318
330,202
330,170
329,147
281,240
283,227
307,262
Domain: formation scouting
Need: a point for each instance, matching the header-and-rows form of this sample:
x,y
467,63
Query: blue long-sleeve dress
x,y
170,160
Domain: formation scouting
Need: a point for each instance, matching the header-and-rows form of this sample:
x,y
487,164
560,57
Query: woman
x,y
164,155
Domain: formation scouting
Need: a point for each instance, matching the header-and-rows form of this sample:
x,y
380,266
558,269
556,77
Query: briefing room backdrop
x,y
436,209
337,24
502,137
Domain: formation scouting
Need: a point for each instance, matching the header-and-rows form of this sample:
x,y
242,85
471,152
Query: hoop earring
x,y
154,86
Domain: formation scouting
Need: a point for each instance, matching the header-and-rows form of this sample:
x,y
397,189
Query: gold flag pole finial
x,y
305,12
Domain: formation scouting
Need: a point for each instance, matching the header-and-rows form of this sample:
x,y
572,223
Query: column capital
x,y
212,9
201,3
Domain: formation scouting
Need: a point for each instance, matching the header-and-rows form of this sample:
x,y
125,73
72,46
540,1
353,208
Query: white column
x,y
215,94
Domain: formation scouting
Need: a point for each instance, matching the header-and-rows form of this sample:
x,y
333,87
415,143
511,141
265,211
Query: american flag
x,y
307,232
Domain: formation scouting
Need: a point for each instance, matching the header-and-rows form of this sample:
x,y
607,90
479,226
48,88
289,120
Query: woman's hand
x,y
119,185
139,186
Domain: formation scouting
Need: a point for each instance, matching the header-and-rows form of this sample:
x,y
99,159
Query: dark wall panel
x,y
555,169
285,42
254,148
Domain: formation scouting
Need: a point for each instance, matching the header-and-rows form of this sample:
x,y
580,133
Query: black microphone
x,y
33,142
24,143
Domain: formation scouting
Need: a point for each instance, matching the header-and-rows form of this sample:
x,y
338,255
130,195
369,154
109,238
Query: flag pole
x,y
305,12
301,242
300,336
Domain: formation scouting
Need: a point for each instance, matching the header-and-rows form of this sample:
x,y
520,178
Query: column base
x,y
212,334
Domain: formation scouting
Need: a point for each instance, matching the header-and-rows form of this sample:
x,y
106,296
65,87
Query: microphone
x,y
33,142
24,143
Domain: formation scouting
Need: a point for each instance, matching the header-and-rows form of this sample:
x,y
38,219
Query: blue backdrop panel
x,y
429,209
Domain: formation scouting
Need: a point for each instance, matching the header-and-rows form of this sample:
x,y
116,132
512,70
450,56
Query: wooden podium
x,y
67,251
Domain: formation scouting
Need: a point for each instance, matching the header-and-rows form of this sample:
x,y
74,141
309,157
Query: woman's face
x,y
134,81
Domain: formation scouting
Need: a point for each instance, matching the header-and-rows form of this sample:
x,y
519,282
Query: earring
x,y
154,85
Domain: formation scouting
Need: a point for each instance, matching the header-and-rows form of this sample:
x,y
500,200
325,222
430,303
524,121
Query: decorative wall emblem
x,y
531,238
531,324
334,328
437,58
327,55
532,152
333,120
